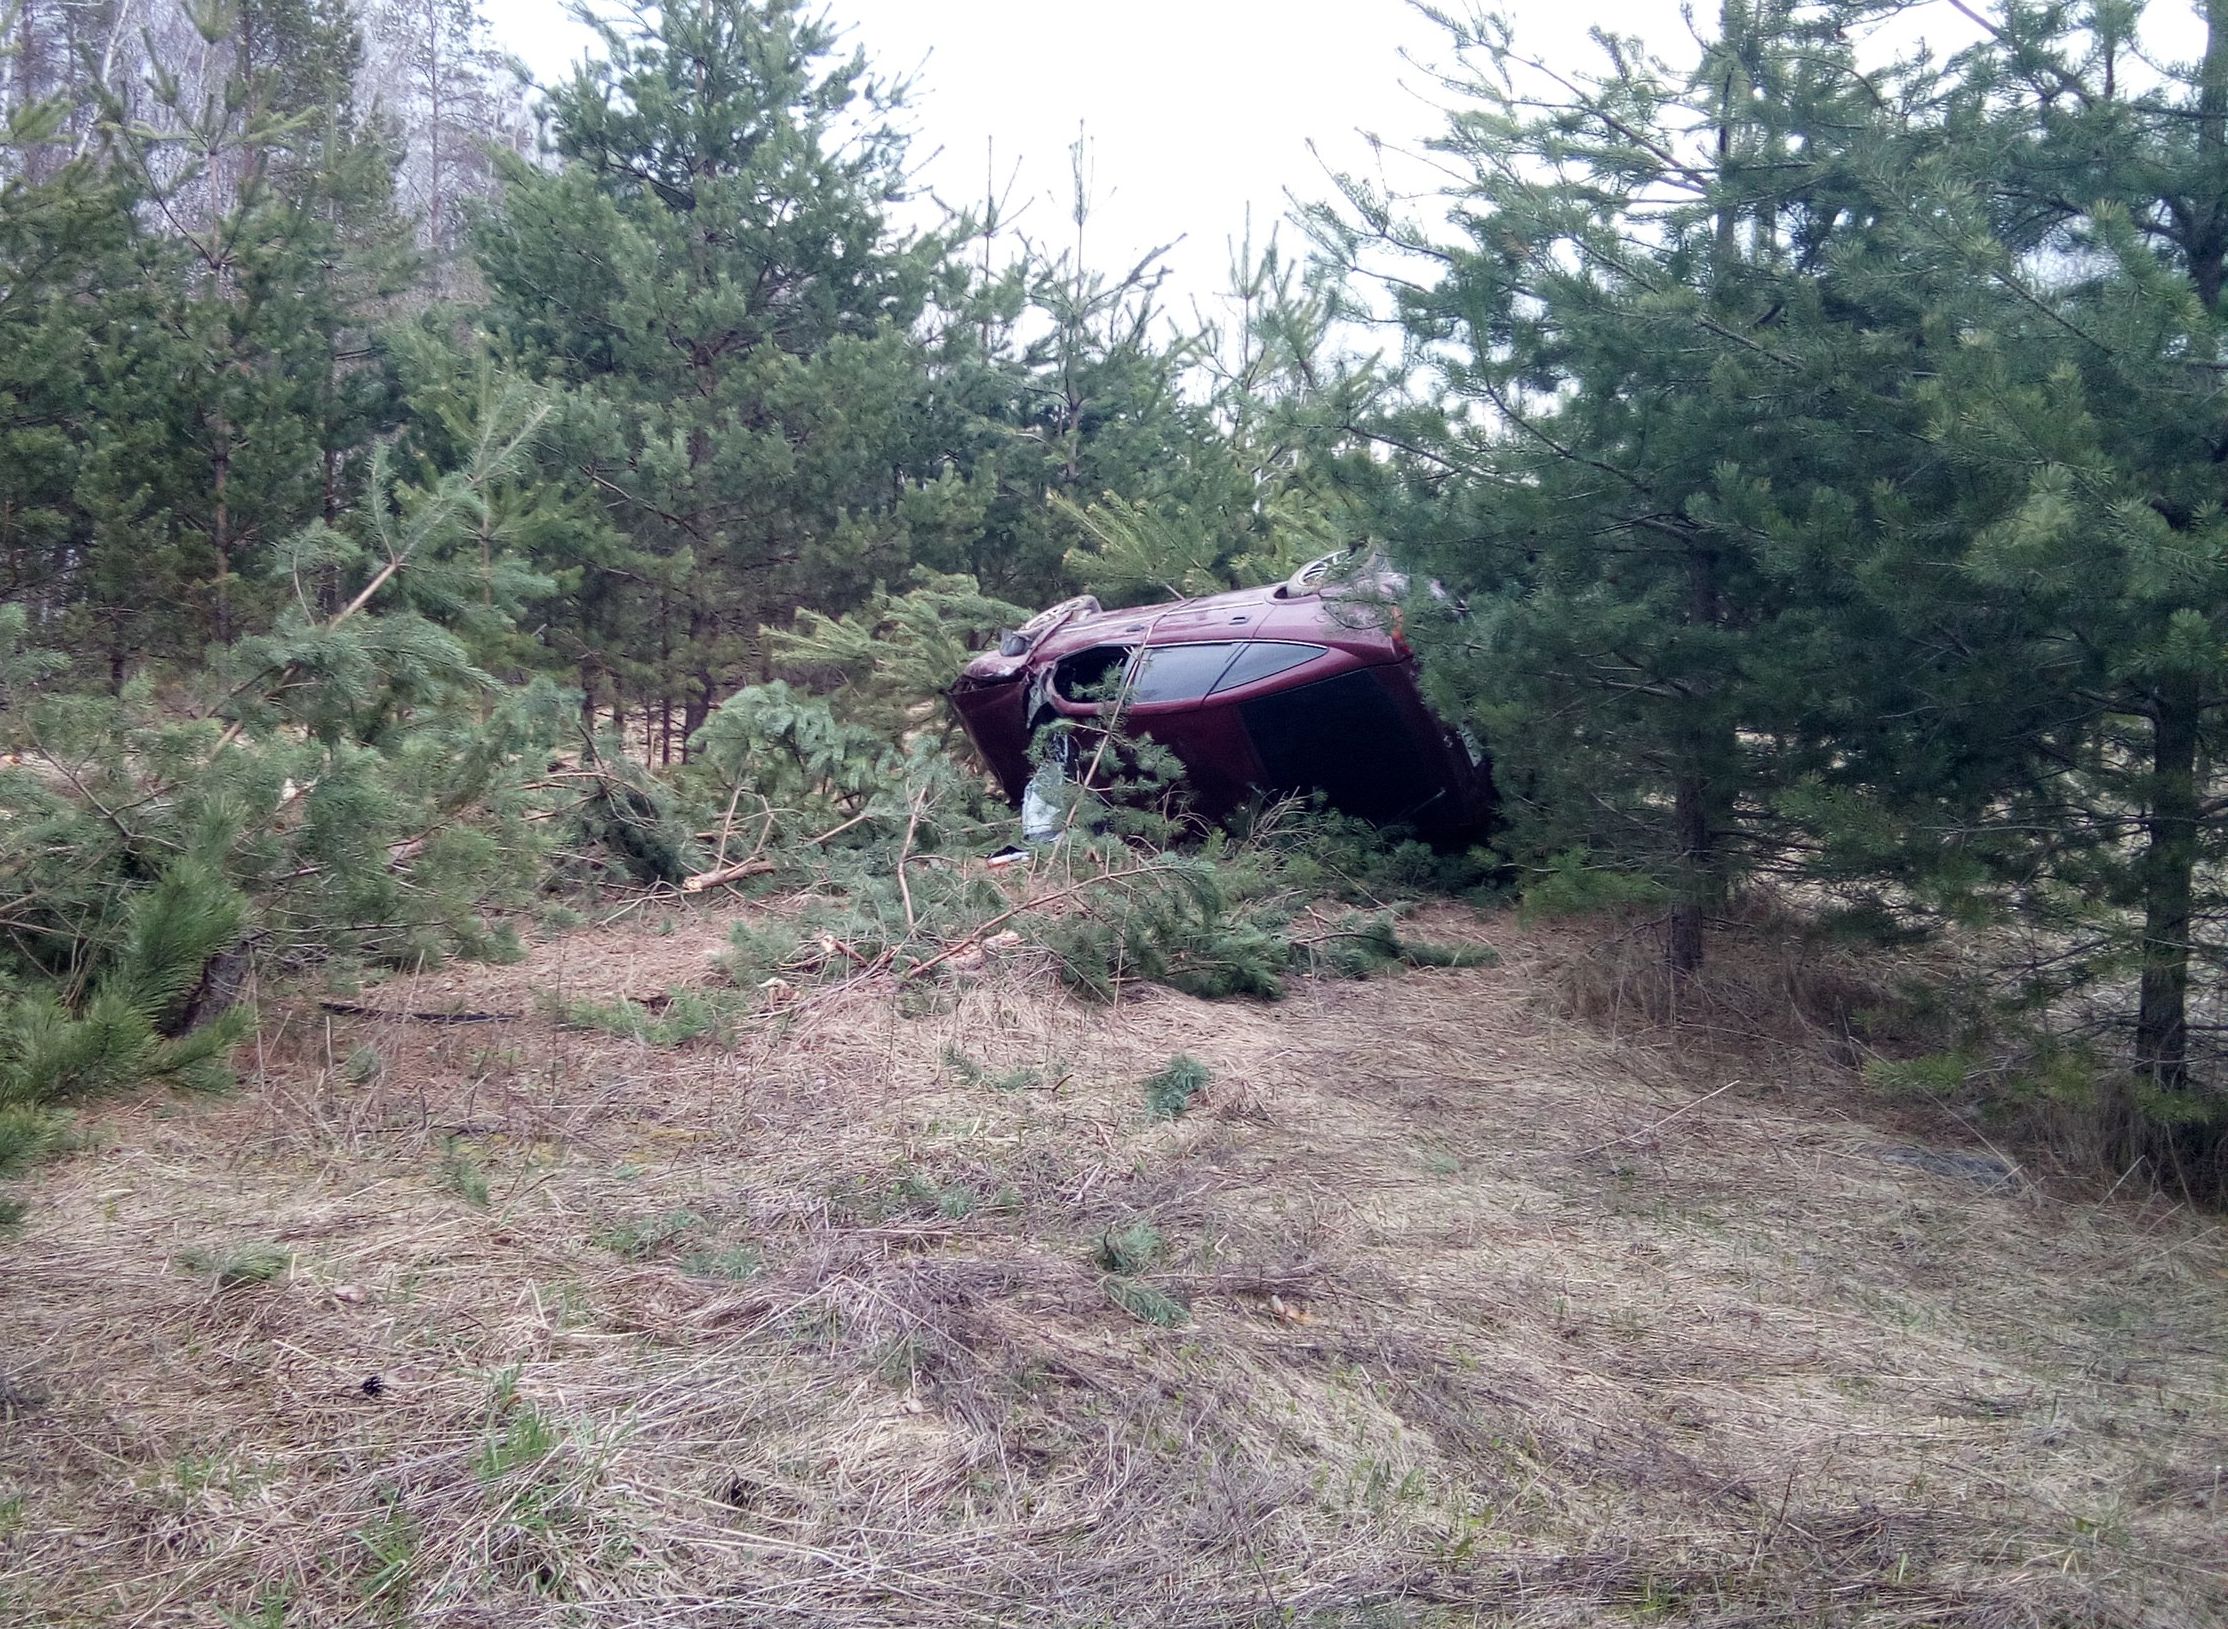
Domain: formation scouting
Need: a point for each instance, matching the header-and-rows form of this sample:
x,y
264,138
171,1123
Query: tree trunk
x,y
2168,869
2209,212
220,532
1690,910
698,708
1696,798
2190,1143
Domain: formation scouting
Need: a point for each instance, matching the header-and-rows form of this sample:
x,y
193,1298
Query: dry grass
x,y
1492,1319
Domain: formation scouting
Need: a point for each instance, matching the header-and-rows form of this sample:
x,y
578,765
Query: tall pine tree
x,y
1668,397
712,276
2068,207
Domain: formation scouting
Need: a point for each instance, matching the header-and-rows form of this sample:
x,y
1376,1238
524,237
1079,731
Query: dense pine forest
x,y
426,495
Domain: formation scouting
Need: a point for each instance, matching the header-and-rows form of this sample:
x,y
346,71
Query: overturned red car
x,y
1306,686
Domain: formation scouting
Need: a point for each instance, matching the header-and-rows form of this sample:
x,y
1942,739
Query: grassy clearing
x,y
1434,1308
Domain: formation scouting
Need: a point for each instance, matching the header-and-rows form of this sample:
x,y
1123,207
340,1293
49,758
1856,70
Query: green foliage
x,y
684,1016
369,799
968,1072
796,757
914,1192
1122,1254
1576,882
760,950
739,432
124,1033
1818,456
461,1173
1129,1249
390,1542
26,1133
1143,550
1177,927
269,1611
736,1263
1147,1304
1168,1094
135,1024
631,818
638,1238
234,1266
518,1438
1937,1074
1359,945
885,667
1655,511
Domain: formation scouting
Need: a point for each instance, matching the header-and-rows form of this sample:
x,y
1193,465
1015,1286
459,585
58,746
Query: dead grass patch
x,y
1492,1318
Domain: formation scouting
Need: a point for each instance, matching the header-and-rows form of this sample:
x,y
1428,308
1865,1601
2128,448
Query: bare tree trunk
x,y
220,530
698,708
2192,1147
1694,796
2168,871
1690,911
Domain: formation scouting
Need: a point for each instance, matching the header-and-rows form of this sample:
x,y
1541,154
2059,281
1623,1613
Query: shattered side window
x,y
1091,675
1265,659
1178,672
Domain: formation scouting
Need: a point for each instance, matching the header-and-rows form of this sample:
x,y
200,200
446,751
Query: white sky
x,y
1196,109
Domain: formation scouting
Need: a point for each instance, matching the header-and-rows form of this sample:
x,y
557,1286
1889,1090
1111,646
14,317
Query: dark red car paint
x,y
1346,720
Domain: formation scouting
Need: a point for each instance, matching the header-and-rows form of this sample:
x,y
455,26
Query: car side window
x,y
1178,672
1091,675
1265,659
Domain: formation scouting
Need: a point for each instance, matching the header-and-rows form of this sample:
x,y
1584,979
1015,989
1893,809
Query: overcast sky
x,y
1195,109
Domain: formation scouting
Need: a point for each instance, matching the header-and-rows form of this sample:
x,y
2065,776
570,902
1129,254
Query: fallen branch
x,y
353,1009
725,874
1651,1130
905,853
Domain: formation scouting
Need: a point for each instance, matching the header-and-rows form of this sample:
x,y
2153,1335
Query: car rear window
x,y
1265,659
1179,672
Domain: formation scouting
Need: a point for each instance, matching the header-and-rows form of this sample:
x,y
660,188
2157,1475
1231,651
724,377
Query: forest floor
x,y
1493,1318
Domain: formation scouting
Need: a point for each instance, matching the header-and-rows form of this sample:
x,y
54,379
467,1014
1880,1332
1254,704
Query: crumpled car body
x,y
1306,686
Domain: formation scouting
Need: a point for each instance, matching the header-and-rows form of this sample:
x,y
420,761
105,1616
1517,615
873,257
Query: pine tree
x,y
712,277
363,793
1831,469
233,400
61,239
1663,422
2071,214
1253,485
1088,459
